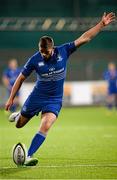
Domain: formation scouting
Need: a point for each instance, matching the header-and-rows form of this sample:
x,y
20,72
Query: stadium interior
x,y
22,23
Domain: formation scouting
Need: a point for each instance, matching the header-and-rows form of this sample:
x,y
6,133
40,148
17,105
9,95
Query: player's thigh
x,y
32,106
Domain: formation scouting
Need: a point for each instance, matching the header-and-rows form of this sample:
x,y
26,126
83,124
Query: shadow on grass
x,y
7,172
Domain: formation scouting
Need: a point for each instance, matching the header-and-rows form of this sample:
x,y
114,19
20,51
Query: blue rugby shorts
x,y
35,104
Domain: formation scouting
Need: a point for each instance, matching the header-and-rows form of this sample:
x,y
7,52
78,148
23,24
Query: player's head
x,y
111,66
46,46
13,63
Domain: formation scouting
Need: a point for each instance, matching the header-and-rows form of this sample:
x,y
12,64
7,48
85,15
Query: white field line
x,y
63,166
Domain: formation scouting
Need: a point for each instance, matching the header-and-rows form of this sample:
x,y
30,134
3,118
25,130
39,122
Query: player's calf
x,y
22,121
47,120
19,119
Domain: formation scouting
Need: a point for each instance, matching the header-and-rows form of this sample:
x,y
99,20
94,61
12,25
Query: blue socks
x,y
36,143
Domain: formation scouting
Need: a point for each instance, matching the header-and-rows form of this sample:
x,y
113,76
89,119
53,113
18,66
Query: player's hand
x,y
8,104
108,18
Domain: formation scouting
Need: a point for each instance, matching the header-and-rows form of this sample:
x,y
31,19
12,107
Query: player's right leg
x,y
19,119
28,110
110,100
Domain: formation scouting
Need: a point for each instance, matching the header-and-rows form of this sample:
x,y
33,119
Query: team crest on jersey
x,y
41,64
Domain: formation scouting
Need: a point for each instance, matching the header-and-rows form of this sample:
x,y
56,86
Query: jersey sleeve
x,y
70,48
5,73
28,67
106,75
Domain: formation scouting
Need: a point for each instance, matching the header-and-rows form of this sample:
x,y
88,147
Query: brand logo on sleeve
x,y
24,108
59,58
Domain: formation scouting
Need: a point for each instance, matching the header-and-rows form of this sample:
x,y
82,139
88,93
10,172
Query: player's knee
x,y
19,125
45,127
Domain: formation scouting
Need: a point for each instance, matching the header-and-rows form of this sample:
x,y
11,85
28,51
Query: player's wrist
x,y
102,23
11,99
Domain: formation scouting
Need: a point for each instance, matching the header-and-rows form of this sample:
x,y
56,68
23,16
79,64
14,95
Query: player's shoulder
x,y
18,69
6,71
107,71
106,74
34,57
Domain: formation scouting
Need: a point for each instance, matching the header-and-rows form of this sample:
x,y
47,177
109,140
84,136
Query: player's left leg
x,y
47,120
19,119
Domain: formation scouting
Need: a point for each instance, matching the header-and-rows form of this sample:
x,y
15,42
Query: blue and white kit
x,y
111,78
48,90
12,75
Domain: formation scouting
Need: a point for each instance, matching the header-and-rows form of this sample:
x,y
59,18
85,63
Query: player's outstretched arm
x,y
14,90
91,33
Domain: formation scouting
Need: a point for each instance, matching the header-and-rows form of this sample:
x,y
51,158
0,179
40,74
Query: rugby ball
x,y
19,153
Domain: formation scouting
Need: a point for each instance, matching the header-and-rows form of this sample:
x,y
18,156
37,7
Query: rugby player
x,y
50,65
9,77
111,77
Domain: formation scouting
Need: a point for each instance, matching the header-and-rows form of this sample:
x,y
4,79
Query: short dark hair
x,y
46,42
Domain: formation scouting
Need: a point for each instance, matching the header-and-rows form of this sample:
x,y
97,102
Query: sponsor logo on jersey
x,y
41,64
52,69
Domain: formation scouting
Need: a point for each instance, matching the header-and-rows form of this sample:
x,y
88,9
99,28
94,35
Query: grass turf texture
x,y
82,144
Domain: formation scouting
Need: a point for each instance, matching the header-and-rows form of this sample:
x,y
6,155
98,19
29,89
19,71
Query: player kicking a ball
x,y
50,65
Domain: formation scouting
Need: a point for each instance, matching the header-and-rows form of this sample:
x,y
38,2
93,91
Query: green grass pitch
x,y
82,144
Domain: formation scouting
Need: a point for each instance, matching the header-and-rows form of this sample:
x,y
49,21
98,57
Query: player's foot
x,y
31,161
13,116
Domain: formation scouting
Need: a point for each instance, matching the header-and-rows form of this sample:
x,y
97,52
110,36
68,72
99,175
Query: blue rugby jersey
x,y
111,78
50,73
12,75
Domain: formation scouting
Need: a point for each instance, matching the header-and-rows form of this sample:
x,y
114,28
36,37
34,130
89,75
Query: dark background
x,y
88,63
